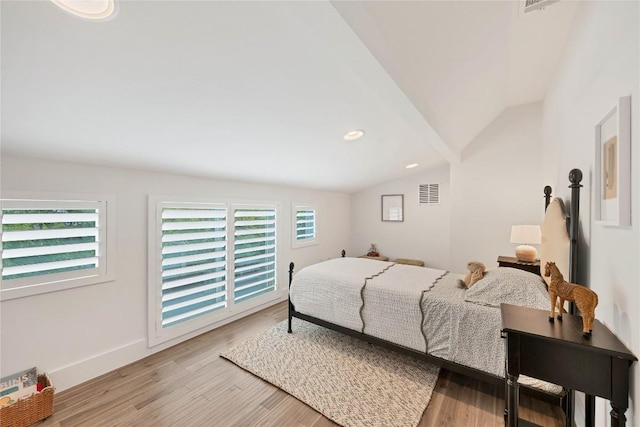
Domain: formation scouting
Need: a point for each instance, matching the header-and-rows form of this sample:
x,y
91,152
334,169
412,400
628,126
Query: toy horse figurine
x,y
586,300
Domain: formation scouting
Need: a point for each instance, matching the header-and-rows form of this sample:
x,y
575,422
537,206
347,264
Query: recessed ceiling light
x,y
353,135
95,10
411,166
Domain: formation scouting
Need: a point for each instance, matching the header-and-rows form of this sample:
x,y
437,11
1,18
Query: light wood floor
x,y
190,385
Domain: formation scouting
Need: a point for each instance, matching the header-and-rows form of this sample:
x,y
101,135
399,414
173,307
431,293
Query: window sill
x,y
44,288
297,245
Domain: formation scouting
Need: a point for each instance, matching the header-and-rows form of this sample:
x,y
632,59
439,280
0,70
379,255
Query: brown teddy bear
x,y
476,272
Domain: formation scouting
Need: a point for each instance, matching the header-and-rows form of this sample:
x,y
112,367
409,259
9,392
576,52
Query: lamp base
x,y
526,253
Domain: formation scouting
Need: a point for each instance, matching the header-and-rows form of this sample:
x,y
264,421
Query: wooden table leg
x,y
513,397
569,408
589,410
619,391
618,419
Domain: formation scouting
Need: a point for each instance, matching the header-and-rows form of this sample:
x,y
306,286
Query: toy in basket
x,y
21,404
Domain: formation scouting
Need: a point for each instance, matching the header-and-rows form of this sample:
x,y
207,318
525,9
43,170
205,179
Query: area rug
x,y
349,381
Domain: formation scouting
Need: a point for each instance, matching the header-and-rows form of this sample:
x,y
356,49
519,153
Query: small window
x,y
49,245
304,230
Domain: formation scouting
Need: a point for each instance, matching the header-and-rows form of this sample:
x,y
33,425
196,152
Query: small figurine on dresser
x,y
373,251
586,300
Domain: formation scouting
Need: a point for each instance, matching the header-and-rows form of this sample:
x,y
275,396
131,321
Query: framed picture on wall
x,y
612,181
393,207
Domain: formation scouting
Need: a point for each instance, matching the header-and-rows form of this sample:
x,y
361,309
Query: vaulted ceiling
x,y
264,91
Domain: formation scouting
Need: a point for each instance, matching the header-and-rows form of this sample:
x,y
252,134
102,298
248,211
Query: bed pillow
x,y
510,286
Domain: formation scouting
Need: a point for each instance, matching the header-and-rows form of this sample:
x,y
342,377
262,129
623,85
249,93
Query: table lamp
x,y
526,235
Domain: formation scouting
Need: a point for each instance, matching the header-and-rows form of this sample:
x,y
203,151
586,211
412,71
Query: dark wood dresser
x,y
558,353
509,261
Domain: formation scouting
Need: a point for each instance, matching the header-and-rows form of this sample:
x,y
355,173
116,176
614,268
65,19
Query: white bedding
x,y
415,307
331,290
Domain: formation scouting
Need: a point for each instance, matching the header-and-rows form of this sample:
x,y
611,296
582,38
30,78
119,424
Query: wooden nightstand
x,y
509,261
557,352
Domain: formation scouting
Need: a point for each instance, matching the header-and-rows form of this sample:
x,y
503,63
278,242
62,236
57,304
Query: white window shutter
x,y
194,264
208,261
254,252
46,241
305,224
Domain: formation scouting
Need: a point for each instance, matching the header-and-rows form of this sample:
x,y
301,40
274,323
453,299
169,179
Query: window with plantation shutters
x,y
51,245
254,255
194,262
304,230
207,262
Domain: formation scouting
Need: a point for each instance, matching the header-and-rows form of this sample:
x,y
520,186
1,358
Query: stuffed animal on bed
x,y
476,272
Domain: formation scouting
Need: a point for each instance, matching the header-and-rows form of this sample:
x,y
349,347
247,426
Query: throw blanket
x,y
392,304
332,290
377,298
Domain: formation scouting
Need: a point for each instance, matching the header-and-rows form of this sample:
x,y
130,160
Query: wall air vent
x,y
531,5
430,194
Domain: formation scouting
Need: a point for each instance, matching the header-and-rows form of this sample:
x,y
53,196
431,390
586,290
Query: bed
x,y
426,313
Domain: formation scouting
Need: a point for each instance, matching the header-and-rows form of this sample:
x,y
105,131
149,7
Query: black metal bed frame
x,y
575,176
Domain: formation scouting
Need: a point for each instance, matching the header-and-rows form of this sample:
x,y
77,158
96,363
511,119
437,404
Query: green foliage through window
x,y
39,242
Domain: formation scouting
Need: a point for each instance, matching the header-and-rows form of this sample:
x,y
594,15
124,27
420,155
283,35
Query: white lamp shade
x,y
526,234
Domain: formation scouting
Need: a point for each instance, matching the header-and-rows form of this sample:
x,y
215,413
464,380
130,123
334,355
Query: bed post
x,y
343,253
547,197
289,296
575,176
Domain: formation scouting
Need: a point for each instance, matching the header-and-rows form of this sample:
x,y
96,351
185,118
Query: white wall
x,y
77,334
600,65
423,235
498,184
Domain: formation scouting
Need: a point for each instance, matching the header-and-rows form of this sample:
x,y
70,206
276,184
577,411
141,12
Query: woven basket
x,y
29,410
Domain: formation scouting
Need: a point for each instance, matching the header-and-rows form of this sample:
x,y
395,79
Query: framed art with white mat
x,y
393,207
612,181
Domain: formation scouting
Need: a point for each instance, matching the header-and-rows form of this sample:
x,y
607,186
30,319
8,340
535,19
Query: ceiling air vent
x,y
531,5
430,194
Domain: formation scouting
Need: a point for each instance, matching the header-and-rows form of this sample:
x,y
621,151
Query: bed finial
x,y
575,176
547,196
343,253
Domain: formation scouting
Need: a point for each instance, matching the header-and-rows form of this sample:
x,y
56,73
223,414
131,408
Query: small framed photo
x,y
393,207
612,180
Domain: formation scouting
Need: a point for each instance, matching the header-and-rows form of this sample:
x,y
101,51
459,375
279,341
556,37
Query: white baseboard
x,y
99,364
102,363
